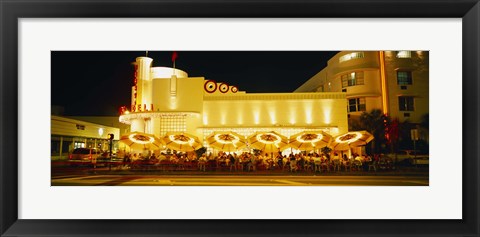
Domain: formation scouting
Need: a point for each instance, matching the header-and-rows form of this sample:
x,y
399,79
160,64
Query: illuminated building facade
x,y
396,82
68,134
168,100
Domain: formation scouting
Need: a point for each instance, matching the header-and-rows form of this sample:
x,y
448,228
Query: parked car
x,y
407,158
84,156
422,160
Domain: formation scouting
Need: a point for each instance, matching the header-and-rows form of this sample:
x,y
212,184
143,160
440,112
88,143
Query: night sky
x,y
97,83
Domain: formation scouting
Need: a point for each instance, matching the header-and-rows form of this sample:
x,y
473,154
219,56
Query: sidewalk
x,y
402,171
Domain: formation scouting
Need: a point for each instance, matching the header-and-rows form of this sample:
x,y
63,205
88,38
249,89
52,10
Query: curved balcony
x,y
127,117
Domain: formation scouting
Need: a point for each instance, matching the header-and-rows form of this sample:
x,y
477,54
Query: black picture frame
x,y
11,11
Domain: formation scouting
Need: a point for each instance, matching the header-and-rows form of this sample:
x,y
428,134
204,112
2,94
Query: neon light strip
x,y
383,82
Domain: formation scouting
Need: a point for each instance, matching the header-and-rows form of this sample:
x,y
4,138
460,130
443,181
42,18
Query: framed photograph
x,y
76,175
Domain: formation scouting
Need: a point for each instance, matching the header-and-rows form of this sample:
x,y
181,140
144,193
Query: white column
x,y
138,125
144,81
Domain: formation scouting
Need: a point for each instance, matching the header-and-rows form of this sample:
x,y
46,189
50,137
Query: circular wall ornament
x,y
224,88
210,86
234,89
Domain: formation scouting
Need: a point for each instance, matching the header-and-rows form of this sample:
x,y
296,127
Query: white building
x,y
68,134
168,100
396,82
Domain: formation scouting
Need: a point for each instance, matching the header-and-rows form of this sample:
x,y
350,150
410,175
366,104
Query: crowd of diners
x,y
251,162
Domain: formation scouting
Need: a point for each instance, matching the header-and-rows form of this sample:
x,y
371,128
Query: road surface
x,y
236,180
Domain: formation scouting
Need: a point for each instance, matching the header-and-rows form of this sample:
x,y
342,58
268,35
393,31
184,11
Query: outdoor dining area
x,y
307,151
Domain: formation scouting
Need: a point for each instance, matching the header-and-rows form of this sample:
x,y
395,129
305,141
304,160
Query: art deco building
x,y
169,100
396,82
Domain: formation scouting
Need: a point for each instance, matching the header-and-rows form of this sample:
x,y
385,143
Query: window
x,y
404,54
352,79
173,123
350,56
356,104
404,78
80,127
79,145
405,103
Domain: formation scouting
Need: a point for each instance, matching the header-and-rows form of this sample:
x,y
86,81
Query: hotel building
x,y
396,82
169,100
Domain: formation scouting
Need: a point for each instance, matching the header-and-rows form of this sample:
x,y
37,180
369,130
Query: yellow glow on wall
x,y
173,103
240,118
256,117
327,116
308,106
223,117
273,120
292,119
308,117
327,111
240,113
292,113
205,119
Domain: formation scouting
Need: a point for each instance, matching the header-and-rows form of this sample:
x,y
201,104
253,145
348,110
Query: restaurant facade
x,y
167,100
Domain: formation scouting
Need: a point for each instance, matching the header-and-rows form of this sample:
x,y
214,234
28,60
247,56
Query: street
x,y
236,180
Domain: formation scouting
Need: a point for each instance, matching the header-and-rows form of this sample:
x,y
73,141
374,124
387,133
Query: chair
x,y
373,165
202,165
293,166
306,166
357,164
285,164
251,166
325,166
337,165
348,165
318,166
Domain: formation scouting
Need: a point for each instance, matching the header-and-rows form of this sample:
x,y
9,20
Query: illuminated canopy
x,y
268,141
351,139
140,141
181,141
309,140
140,138
226,141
